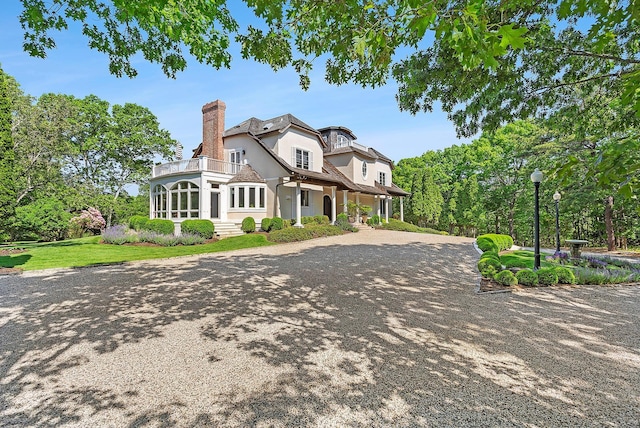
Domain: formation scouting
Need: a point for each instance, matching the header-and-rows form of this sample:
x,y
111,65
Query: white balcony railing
x,y
200,164
340,144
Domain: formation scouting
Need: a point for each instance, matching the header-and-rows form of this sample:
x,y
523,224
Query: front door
x,y
215,204
327,206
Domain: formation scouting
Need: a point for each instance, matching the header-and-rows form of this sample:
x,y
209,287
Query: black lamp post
x,y
556,198
536,177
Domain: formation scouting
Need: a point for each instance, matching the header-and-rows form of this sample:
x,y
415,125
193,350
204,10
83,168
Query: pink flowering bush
x,y
89,220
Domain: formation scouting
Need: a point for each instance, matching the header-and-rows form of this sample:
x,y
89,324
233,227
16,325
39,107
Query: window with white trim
x,y
302,159
382,178
305,197
235,156
364,169
159,201
185,200
342,141
247,196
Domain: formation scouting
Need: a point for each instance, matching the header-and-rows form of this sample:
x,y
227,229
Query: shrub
x,y
137,222
89,220
503,242
483,263
166,240
527,277
277,223
191,239
45,219
118,235
248,225
342,221
565,275
159,225
486,244
294,234
506,277
408,227
547,276
322,219
490,255
204,228
307,219
488,272
265,224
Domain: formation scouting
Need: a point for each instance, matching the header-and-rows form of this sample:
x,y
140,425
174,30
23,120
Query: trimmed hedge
x,y
527,277
408,227
490,255
248,225
159,225
484,263
486,244
503,242
277,223
565,275
506,277
265,224
203,227
137,222
547,276
293,234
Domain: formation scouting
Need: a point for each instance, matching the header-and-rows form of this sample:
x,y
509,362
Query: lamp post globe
x,y
536,177
556,198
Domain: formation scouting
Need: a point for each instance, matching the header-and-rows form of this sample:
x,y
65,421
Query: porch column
x,y
298,206
345,200
401,208
333,205
357,210
386,211
152,201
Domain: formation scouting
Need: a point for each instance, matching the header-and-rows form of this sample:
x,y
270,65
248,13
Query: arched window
x,y
342,141
364,169
185,200
159,201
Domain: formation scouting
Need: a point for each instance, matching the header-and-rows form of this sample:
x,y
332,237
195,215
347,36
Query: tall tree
x,y
7,159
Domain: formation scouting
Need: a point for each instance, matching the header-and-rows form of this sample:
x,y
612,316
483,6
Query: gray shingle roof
x,y
247,175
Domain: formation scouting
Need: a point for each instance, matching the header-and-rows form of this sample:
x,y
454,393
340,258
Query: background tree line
x,y
485,186
62,155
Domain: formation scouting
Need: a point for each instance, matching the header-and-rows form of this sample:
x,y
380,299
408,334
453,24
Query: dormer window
x,y
382,178
302,159
364,170
342,141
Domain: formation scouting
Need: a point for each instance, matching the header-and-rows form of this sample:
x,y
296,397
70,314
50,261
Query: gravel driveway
x,y
371,329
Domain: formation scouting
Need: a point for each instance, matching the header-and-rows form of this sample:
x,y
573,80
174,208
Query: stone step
x,y
226,229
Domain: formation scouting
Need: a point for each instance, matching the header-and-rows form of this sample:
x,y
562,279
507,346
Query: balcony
x,y
192,165
341,144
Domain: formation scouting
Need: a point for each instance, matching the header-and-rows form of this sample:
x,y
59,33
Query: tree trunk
x,y
608,221
511,220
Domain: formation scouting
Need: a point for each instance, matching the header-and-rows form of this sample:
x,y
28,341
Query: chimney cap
x,y
217,104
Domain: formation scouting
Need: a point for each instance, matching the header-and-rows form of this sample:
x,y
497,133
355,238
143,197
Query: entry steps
x,y
227,229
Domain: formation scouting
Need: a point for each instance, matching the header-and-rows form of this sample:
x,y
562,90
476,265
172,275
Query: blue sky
x,y
248,89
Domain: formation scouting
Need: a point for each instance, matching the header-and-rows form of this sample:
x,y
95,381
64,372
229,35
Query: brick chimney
x,y
212,129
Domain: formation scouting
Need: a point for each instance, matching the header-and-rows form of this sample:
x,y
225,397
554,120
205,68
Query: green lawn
x,y
88,251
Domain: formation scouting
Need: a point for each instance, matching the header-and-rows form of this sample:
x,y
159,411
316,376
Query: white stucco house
x,y
266,168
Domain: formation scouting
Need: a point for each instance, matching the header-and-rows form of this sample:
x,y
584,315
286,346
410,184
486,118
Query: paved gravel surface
x,y
371,329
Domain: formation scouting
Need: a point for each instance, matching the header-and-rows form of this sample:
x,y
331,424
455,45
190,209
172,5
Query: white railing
x,y
200,164
341,144
216,165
